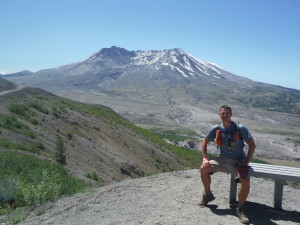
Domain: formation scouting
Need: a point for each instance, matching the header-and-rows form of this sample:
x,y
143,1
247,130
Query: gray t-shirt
x,y
233,139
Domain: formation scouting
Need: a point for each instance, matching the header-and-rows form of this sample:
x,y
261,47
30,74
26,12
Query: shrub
x,y
10,122
4,143
42,97
25,181
55,112
42,191
38,106
60,150
94,176
41,146
70,135
18,109
8,189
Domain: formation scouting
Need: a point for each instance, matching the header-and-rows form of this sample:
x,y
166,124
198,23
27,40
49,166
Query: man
x,y
230,139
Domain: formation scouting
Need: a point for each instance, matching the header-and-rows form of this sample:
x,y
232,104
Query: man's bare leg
x,y
242,196
205,177
206,180
243,191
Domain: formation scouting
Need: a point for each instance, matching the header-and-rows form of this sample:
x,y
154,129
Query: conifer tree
x,y
60,151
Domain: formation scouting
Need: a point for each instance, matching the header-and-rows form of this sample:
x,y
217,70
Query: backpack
x,y
237,135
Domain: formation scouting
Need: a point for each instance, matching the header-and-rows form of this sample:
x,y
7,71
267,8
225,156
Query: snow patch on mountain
x,y
147,57
175,68
180,71
205,65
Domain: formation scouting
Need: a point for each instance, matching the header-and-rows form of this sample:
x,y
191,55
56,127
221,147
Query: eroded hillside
x,y
97,140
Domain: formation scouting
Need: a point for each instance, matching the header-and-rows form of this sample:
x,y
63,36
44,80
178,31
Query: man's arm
x,y
205,161
250,153
204,147
251,149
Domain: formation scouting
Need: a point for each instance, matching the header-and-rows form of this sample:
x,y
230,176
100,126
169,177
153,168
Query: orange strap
x,y
219,138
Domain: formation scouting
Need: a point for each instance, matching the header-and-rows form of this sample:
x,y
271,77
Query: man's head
x,y
225,113
225,107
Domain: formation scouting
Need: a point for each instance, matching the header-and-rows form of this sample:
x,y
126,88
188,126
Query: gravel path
x,y
10,91
169,199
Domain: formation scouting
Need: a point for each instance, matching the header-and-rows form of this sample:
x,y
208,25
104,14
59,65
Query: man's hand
x,y
205,163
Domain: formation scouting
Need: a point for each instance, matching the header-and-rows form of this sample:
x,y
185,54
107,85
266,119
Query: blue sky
x,y
257,39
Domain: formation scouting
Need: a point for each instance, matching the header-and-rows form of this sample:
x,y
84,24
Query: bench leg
x,y
233,188
278,190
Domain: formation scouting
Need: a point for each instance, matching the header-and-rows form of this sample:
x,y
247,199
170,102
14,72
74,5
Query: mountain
x,y
19,74
168,74
95,137
5,85
119,68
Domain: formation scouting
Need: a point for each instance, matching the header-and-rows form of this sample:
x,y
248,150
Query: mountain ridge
x,y
18,74
5,85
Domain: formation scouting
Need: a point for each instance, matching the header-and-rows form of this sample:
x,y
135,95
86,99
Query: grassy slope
x,y
31,119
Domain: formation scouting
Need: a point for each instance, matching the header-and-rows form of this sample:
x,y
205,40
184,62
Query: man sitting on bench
x,y
230,139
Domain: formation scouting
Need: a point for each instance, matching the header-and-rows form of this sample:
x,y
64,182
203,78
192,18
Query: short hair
x,y
225,107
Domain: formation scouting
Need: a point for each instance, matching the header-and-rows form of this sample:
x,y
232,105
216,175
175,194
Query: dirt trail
x,y
169,199
10,91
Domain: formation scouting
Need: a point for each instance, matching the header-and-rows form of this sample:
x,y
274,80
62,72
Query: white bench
x,y
280,174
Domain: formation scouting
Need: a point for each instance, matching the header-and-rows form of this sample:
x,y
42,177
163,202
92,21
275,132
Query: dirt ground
x,y
169,199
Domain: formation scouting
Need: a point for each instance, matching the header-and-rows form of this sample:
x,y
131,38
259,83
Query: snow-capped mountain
x,y
176,59
113,62
170,75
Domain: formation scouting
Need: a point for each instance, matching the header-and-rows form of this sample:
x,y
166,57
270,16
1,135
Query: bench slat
x,y
271,175
265,166
276,176
276,169
275,172
270,170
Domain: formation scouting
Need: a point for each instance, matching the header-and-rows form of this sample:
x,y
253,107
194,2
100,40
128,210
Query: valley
x,y
272,130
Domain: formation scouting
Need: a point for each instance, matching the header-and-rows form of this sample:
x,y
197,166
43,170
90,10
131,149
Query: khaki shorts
x,y
221,164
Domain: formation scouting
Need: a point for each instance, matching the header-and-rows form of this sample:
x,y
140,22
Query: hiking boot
x,y
206,198
241,215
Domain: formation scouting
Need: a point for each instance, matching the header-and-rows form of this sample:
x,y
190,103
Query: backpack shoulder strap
x,y
239,132
238,129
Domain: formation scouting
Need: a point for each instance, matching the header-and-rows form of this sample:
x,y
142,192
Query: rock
x,y
132,170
